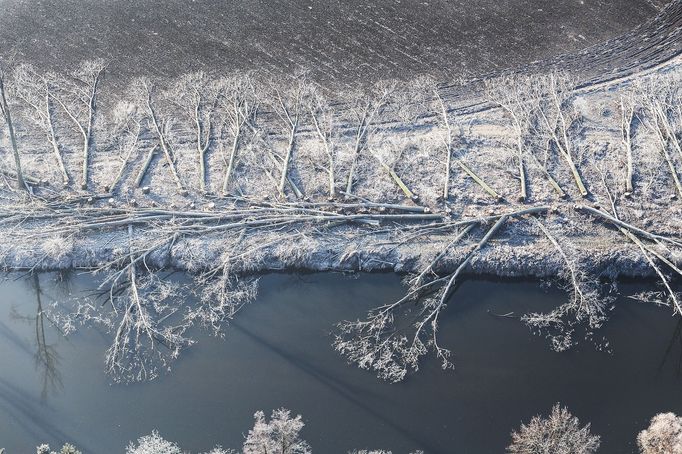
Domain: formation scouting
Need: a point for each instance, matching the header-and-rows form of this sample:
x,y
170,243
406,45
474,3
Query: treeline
x,y
221,134
558,433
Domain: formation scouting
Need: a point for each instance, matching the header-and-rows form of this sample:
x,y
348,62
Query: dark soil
x,y
341,41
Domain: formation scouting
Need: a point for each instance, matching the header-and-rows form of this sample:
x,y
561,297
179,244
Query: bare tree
x,y
661,98
521,97
559,433
126,131
142,343
515,99
7,117
238,106
667,110
289,107
646,242
77,96
628,110
388,342
586,304
198,98
405,101
149,315
539,106
279,435
364,110
389,154
144,92
36,92
325,121
558,116
449,150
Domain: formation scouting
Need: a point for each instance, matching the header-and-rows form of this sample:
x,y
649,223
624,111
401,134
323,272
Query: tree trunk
x,y
230,162
287,158
53,140
10,126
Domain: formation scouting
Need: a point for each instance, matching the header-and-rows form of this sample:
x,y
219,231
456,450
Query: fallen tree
x,y
281,153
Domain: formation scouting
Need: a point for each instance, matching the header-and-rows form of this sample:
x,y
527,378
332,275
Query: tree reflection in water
x,y
46,356
670,355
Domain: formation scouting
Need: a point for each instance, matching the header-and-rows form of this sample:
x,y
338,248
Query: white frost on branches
x,y
280,435
559,433
663,436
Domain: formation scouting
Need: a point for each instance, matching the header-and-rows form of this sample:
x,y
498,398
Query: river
x,y
277,353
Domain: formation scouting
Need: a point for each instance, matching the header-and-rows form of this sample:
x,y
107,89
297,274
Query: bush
x,y
663,436
68,448
153,444
560,433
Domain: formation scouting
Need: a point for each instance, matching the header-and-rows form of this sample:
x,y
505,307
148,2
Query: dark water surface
x,y
277,353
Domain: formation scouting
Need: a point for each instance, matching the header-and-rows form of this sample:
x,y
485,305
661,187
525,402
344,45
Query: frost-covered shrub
x,y
278,436
560,433
153,444
57,247
378,451
68,448
373,451
663,436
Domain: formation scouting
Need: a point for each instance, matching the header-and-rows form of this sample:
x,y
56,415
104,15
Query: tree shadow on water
x,y
673,354
339,387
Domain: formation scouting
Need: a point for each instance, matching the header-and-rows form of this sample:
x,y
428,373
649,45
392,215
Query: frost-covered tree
x,y
36,91
156,444
5,112
663,436
365,108
378,451
560,433
125,131
197,97
280,435
237,107
153,444
288,105
393,338
373,451
159,119
586,306
67,448
76,93
542,117
660,98
325,121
